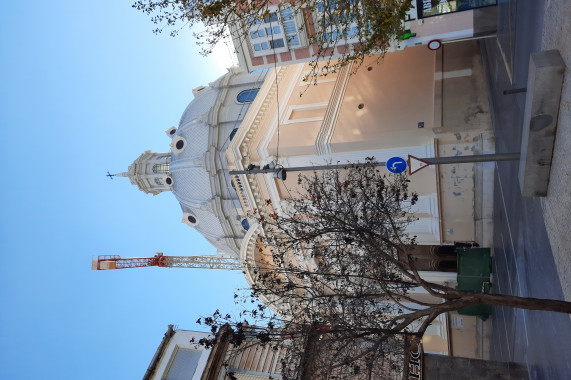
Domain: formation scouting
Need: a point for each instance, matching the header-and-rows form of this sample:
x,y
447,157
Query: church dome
x,y
196,170
199,179
195,186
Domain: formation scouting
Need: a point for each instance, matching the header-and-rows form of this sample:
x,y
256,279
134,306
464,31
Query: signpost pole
x,y
399,166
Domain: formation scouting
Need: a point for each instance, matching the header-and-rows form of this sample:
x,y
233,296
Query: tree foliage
x,y
337,301
358,27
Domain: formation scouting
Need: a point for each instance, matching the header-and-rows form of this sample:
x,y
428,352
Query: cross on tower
x,y
110,175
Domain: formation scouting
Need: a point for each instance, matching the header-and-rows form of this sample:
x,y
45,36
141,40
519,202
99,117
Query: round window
x,y
191,219
178,145
168,181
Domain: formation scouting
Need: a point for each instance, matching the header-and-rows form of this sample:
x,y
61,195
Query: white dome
x,y
197,168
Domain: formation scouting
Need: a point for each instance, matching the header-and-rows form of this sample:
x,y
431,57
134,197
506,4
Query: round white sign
x,y
434,44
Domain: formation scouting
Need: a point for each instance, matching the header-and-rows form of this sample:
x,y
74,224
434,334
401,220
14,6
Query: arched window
x,y
247,96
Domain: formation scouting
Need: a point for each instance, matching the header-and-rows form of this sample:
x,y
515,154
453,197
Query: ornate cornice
x,y
239,148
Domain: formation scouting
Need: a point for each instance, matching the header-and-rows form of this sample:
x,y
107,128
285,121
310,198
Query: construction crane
x,y
105,262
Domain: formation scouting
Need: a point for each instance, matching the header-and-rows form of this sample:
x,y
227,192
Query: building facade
x,y
416,102
179,358
285,36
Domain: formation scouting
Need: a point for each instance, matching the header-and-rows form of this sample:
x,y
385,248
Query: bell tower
x,y
150,172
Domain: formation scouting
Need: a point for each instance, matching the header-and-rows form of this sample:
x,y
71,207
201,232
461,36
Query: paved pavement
x,y
557,205
524,263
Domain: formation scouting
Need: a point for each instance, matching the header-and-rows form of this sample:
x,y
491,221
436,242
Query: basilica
x,y
416,102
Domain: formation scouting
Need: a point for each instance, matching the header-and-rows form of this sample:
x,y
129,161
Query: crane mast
x,y
106,262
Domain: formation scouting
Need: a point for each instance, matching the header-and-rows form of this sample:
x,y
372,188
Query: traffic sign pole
x,y
429,161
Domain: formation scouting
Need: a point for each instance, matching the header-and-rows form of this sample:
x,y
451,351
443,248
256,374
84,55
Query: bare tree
x,y
360,27
340,299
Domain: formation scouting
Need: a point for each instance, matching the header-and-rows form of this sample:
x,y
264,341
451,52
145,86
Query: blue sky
x,y
86,88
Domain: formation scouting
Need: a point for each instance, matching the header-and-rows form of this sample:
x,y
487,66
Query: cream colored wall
x,y
460,89
298,138
462,120
465,338
423,182
434,343
275,110
397,94
456,195
295,138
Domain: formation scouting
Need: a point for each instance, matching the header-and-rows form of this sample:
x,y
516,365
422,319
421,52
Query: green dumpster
x,y
474,269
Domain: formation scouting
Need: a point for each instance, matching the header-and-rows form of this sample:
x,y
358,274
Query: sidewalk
x,y
526,229
557,205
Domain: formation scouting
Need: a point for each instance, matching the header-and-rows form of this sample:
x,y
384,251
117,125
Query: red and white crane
x,y
105,262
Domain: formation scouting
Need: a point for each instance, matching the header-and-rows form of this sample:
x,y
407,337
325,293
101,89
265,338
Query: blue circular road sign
x,y
396,165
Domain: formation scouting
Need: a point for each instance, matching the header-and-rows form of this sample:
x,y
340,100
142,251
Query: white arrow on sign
x,y
415,164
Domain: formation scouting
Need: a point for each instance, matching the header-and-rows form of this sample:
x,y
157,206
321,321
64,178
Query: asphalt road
x,y
523,261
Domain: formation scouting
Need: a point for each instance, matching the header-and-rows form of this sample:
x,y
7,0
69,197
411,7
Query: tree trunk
x,y
469,299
